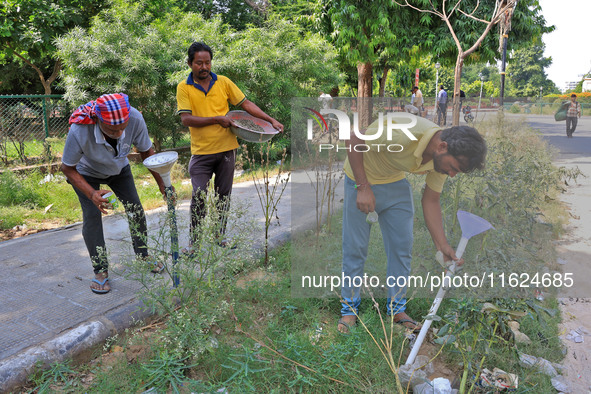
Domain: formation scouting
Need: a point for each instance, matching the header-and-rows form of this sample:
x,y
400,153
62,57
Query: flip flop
x,y
189,252
417,327
157,269
348,326
226,244
97,291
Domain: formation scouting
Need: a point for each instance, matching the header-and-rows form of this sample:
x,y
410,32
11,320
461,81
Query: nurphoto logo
x,y
404,122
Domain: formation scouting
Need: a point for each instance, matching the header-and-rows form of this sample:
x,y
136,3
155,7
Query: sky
x,y
569,44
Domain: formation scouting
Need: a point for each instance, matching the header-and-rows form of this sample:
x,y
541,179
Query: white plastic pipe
x,y
438,298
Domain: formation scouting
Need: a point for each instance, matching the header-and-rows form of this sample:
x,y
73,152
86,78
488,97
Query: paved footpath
x,y
574,248
47,311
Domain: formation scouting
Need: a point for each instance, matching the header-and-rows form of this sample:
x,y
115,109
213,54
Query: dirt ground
x,y
574,254
21,231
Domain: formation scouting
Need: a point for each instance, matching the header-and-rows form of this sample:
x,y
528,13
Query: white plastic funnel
x,y
471,225
162,163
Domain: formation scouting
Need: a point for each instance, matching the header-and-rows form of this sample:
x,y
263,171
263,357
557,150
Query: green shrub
x,y
127,49
515,109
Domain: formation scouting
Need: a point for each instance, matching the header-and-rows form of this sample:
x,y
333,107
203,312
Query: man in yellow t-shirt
x,y
202,103
375,182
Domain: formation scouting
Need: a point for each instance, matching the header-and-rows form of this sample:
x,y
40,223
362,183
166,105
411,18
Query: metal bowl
x,y
248,134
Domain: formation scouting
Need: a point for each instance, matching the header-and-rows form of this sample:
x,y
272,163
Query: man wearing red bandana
x,y
101,135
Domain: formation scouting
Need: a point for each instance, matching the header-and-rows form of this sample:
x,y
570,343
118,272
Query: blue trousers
x,y
394,205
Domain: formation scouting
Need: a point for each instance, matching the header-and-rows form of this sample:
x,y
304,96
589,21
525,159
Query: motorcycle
x,y
468,117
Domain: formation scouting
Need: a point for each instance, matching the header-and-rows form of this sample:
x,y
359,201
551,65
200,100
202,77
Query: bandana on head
x,y
112,109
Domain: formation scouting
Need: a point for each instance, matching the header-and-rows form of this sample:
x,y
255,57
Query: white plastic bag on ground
x,y
415,373
437,386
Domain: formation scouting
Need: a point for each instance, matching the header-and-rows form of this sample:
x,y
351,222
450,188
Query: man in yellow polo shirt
x,y
375,182
202,103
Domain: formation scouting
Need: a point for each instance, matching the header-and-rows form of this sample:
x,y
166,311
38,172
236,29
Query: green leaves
x,y
29,27
361,30
128,49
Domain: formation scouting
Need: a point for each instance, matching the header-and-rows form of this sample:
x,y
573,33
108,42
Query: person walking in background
x,y
325,99
572,114
99,140
417,100
202,103
441,106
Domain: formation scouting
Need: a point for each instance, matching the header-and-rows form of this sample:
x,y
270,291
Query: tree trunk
x,y
46,86
383,81
457,84
364,91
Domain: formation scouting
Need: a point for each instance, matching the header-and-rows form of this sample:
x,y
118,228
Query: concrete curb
x,y
77,342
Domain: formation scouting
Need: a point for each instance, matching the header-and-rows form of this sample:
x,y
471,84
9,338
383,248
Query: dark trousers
x,y
571,125
92,225
201,169
441,113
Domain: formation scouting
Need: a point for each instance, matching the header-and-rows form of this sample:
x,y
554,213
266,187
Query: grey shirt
x,y
87,149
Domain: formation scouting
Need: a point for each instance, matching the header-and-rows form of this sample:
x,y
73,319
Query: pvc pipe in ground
x,y
435,306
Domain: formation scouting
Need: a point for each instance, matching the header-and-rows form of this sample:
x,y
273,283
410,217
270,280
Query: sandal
x,y
101,283
189,252
226,244
408,323
157,268
346,326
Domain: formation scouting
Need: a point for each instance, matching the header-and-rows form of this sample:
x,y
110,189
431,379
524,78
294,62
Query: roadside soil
x,y
21,231
574,253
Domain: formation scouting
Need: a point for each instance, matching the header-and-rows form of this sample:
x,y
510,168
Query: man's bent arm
x,y
434,222
255,111
78,181
190,120
366,201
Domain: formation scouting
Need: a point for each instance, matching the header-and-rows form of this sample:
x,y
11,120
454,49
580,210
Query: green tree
x,y
526,73
368,33
278,62
238,14
129,49
16,79
28,29
362,32
460,30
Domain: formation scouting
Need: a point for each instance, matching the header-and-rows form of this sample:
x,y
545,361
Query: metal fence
x,y
33,128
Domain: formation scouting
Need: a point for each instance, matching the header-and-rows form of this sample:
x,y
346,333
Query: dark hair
x,y
198,47
415,87
573,95
467,145
441,87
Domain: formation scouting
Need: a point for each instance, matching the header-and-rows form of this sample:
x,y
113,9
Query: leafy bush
x,y
274,64
515,109
128,49
584,97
